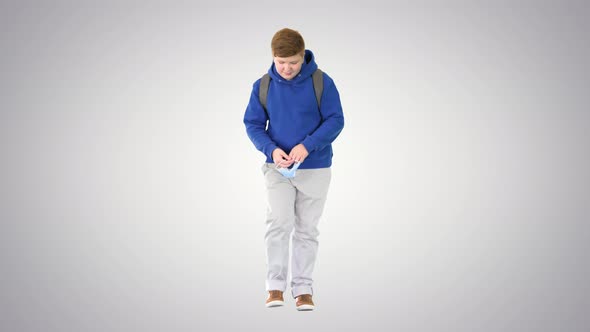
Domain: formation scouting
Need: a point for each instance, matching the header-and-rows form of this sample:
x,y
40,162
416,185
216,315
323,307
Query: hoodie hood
x,y
307,69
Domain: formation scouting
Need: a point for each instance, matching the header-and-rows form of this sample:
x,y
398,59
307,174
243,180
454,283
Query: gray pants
x,y
294,209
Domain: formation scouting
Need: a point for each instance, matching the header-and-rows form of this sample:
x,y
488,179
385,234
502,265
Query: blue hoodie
x,y
294,116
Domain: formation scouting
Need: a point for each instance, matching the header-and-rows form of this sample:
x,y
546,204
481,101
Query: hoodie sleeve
x,y
255,120
332,118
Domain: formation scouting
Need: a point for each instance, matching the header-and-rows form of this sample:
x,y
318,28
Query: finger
x,y
281,158
284,163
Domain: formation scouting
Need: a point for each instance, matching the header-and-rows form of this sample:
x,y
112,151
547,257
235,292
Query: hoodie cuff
x,y
269,149
308,143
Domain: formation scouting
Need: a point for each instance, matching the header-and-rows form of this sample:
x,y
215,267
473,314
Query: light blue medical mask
x,y
289,173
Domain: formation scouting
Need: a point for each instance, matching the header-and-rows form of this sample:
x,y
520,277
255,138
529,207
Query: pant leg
x,y
280,218
312,189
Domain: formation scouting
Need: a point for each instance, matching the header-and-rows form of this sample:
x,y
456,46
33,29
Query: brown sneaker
x,y
304,302
275,299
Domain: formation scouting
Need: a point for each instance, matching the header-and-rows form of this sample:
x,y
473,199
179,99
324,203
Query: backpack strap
x,y
263,91
318,87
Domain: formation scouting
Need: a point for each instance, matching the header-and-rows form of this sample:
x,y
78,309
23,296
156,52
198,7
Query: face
x,y
288,67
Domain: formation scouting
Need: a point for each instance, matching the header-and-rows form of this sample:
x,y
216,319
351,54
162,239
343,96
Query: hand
x,y
298,153
281,158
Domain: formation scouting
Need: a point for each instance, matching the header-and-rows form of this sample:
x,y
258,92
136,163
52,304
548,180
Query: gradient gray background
x,y
132,199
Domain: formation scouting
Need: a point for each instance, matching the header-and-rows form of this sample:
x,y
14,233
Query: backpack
x,y
318,87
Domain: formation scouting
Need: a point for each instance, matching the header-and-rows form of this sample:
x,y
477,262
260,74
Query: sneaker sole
x,y
273,304
305,307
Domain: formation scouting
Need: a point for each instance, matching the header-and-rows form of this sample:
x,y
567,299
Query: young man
x,y
298,150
